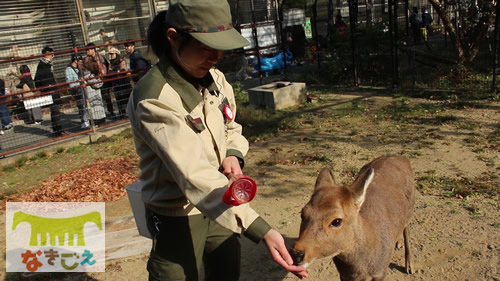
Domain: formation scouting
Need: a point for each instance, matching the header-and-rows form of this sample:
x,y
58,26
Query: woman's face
x,y
195,58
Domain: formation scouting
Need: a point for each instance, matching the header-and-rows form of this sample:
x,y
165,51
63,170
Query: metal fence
x,y
351,43
375,46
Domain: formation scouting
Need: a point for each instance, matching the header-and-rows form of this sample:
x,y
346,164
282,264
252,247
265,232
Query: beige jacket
x,y
182,137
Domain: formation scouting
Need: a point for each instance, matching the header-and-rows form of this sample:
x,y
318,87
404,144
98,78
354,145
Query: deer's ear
x,y
360,186
325,177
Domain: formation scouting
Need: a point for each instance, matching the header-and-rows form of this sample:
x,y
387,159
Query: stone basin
x,y
278,95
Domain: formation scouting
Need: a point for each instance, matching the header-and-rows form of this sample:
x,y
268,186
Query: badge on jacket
x,y
226,110
197,123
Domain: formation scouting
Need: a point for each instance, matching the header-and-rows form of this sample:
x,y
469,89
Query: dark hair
x,y
47,49
24,69
92,66
91,45
157,35
126,44
2,87
75,57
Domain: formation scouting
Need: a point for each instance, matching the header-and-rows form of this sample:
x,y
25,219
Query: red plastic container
x,y
241,191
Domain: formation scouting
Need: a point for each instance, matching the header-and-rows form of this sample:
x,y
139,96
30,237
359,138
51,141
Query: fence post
x,y
315,16
407,21
496,48
283,35
413,67
394,47
256,39
353,12
83,21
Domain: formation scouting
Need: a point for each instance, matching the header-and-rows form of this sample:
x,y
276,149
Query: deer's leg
x,y
406,236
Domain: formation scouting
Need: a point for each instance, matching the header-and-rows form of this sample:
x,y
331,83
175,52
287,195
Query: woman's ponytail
x,y
157,35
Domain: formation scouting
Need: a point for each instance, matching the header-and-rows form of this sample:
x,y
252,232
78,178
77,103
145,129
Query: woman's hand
x,y
231,166
276,246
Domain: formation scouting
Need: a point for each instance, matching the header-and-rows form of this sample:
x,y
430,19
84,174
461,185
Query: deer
x,y
359,225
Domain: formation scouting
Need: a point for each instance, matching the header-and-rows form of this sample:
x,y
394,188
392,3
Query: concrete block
x,y
278,95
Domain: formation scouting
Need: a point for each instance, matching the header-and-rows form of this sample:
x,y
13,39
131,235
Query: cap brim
x,y
222,40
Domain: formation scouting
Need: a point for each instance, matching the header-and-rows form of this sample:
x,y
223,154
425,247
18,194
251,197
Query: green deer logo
x,y
56,227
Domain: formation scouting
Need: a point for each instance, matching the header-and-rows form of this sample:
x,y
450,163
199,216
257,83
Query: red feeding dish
x,y
242,190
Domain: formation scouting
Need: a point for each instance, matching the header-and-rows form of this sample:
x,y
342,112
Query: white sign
x,y
38,102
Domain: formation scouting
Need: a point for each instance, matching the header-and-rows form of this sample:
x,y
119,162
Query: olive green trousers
x,y
183,244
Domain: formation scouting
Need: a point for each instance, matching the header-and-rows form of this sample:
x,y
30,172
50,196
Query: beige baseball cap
x,y
113,51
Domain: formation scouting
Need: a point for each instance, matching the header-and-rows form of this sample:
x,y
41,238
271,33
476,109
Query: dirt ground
x,y
454,236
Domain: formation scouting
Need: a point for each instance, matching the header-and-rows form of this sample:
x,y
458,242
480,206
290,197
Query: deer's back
x,y
390,197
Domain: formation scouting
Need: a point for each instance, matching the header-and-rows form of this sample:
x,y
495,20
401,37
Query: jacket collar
x,y
184,85
46,61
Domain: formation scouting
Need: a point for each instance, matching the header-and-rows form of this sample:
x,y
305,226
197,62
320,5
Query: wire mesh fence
x,y
353,42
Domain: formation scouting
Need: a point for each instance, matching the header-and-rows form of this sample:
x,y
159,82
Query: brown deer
x,y
359,225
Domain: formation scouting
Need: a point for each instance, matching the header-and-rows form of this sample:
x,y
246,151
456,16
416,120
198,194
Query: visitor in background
x,y
44,77
26,83
73,74
121,82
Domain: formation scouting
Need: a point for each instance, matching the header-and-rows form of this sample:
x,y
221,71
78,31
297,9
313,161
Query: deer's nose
x,y
297,256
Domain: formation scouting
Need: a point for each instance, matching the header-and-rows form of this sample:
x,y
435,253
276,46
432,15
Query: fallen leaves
x,y
101,181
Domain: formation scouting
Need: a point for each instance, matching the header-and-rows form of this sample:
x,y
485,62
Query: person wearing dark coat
x,y
45,77
138,64
35,113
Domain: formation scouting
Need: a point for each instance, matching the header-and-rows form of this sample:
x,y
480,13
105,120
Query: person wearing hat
x,y
44,77
182,114
94,57
138,64
73,74
121,82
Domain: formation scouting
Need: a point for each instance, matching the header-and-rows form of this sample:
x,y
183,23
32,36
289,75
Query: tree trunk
x,y
467,44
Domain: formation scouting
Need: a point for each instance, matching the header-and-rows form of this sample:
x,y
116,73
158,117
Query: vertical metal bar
x,y
83,21
353,4
283,35
315,16
445,32
255,38
152,9
139,13
496,48
407,20
395,46
391,33
330,16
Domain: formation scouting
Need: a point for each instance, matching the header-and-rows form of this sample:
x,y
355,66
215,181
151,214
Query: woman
x,y
93,93
26,83
73,74
121,83
182,116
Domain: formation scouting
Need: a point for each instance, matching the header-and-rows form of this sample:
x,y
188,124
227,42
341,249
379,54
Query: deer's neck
x,y
364,235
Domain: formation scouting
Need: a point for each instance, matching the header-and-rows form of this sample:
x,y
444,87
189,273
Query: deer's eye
x,y
336,223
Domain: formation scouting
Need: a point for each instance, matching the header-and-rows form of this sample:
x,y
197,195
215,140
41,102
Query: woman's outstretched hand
x,y
276,246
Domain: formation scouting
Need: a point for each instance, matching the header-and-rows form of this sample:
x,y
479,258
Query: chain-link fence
x,y
354,42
